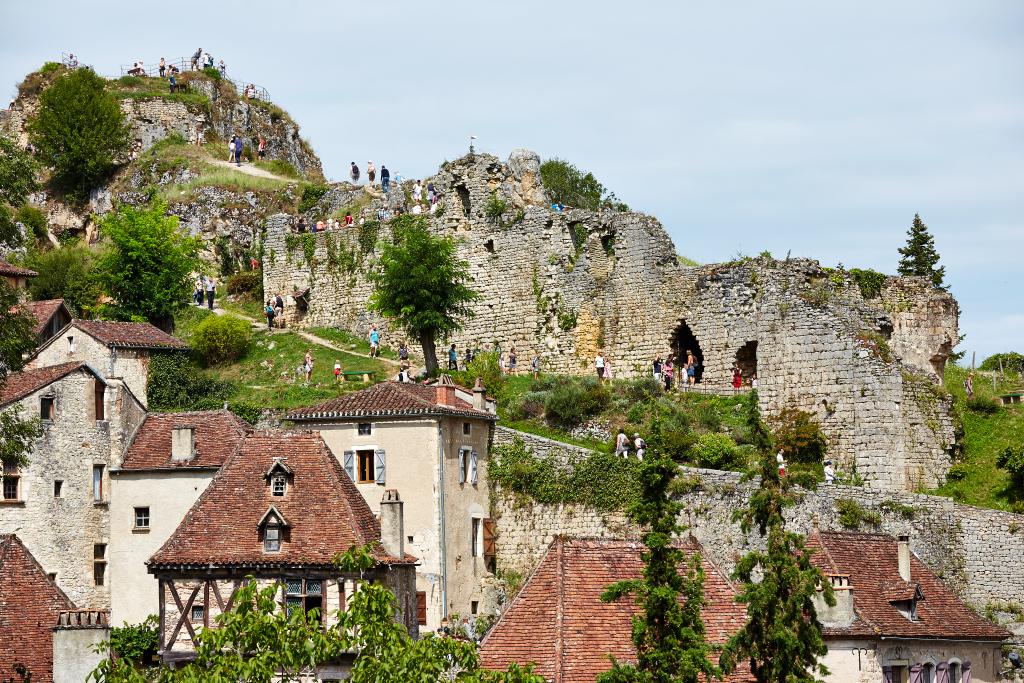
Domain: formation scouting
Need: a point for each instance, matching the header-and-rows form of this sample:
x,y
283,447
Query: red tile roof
x,y
558,621
218,434
29,606
871,562
16,271
325,512
129,335
392,399
20,384
43,311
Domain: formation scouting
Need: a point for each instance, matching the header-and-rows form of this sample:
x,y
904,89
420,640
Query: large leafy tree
x,y
67,272
17,173
572,187
17,337
420,282
79,132
148,267
920,257
782,638
668,634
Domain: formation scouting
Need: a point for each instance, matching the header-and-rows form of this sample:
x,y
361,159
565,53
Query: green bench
x,y
1007,399
358,375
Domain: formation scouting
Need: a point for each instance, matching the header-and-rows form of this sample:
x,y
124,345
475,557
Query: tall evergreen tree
x,y
668,634
920,257
782,639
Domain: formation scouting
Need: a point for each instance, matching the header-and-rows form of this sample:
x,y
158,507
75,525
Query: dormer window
x,y
278,484
273,530
277,477
905,598
272,538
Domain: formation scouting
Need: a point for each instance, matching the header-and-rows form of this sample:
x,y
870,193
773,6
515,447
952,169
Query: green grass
x,y
145,88
246,306
686,261
980,482
351,341
279,167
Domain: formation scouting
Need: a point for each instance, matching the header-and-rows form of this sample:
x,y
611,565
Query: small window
x,y
410,539
97,483
367,468
304,594
955,674
71,344
58,487
272,539
474,606
421,608
12,482
475,539
365,429
99,563
46,408
99,403
278,484
467,428
52,576
142,518
928,673
198,614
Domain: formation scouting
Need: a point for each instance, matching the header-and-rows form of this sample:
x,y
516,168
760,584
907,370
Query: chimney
x,y
183,444
479,396
903,557
841,614
445,394
392,523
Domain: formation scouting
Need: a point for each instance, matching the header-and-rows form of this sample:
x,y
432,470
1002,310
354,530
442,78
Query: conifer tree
x,y
920,257
668,634
782,639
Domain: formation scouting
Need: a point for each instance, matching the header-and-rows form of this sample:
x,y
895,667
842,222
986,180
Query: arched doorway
x,y
683,342
746,359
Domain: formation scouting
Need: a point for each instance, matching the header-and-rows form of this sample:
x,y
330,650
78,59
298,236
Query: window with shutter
x,y
490,544
349,462
462,466
472,467
421,608
381,469
965,672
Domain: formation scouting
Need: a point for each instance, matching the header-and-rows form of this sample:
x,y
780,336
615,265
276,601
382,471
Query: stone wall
x,y
975,551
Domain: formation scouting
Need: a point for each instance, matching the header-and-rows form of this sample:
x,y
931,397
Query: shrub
x,y
1011,361
34,220
221,338
1012,460
852,514
958,472
17,173
311,194
486,367
79,132
869,282
495,207
136,643
212,71
717,452
569,185
642,389
796,433
67,272
575,400
176,383
246,282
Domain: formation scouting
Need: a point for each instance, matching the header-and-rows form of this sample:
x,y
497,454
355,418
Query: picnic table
x,y
359,375
1013,397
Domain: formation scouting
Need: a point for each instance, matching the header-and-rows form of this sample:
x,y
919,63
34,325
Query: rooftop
x,y
129,335
395,399
16,271
22,384
42,311
324,512
218,434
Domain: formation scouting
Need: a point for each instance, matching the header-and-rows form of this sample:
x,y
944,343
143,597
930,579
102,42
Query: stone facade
x,y
565,284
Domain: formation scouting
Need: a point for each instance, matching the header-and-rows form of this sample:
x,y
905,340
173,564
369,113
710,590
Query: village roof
x,y
394,399
128,335
18,385
326,513
16,271
30,603
218,434
43,311
872,564
559,622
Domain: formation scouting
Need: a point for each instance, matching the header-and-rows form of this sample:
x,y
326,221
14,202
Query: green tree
x,y
1012,460
668,634
1010,361
568,185
782,638
148,268
67,272
18,331
420,282
17,436
79,132
17,173
920,257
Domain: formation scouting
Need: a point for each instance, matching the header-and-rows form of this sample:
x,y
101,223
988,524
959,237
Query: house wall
x,y
845,667
74,653
168,495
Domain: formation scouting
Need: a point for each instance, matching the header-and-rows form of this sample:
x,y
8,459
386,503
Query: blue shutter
x,y
378,459
350,464
462,466
472,467
887,674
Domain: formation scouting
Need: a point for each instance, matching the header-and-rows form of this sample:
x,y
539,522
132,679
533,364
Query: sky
x,y
804,127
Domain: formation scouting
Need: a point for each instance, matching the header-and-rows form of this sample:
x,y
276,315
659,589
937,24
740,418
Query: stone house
x,y
894,620
120,351
59,503
558,621
431,442
166,467
15,276
280,510
51,316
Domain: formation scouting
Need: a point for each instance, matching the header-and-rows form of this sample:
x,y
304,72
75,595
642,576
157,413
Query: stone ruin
x,y
566,284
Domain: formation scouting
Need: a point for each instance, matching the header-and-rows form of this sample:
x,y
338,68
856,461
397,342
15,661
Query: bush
x,y
958,472
79,132
1011,361
311,194
1012,460
575,400
495,207
569,185
717,452
17,173
485,366
221,338
136,643
35,221
642,389
796,433
176,383
246,282
869,282
67,272
852,514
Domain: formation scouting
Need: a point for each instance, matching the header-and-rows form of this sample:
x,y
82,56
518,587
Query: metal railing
x,y
248,90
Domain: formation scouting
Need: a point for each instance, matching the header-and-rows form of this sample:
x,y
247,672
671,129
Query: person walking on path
x,y
830,472
172,83
969,385
513,361
195,58
308,365
374,337
163,67
737,378
599,364
385,178
353,172
238,151
453,358
270,313
337,371
371,173
640,445
211,290
622,444
417,192
197,294
261,148
535,366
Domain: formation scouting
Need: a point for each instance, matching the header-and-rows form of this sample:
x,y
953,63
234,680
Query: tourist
x,y
403,351
231,149
609,371
969,385
371,173
72,61
513,361
195,58
753,381
197,295
353,172
279,305
417,192
501,362
468,357
737,378
308,365
668,373
398,180
320,225
453,358
640,445
348,218
622,444
781,460
535,366
207,60
657,369
599,364
691,368
172,83
337,371
222,68
270,313
385,178
162,67
374,337
211,289
431,192
238,151
301,225
830,472
261,148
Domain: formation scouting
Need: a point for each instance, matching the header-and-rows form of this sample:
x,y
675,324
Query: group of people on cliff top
x,y
383,212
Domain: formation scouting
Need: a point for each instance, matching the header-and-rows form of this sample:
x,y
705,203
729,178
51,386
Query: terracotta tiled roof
x,y
42,311
325,512
21,384
29,606
393,399
129,335
558,622
218,434
17,271
871,562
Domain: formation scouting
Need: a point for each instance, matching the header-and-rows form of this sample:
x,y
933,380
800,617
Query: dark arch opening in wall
x,y
684,342
463,198
746,360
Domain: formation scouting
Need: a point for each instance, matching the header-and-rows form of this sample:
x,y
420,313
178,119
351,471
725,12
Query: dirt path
x,y
249,169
